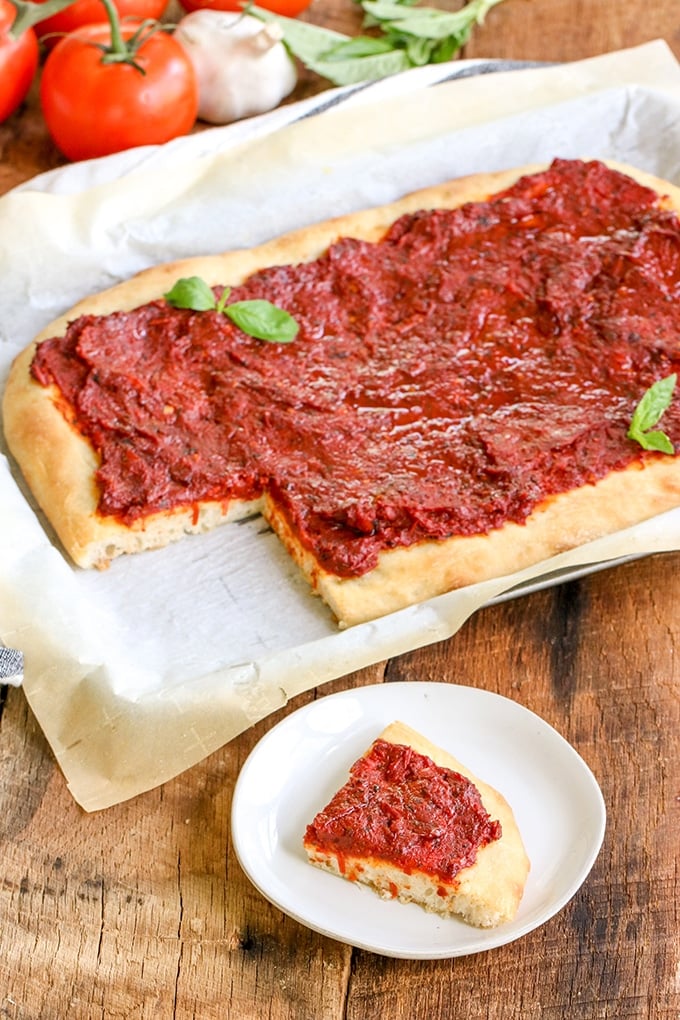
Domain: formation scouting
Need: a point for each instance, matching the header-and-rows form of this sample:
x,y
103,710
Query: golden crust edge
x,y
408,575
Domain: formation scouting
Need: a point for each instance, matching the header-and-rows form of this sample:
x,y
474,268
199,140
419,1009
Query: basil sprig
x,y
647,414
258,318
407,36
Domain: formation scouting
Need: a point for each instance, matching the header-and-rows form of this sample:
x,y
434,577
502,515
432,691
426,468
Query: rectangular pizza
x,y
454,402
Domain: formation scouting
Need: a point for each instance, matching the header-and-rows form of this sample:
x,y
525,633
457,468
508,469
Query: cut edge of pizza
x,y
408,575
485,894
59,464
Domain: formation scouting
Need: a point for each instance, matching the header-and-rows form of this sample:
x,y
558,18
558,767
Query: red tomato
x,y
86,12
288,8
93,109
18,61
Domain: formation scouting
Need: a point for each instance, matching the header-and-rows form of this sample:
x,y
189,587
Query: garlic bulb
x,y
242,66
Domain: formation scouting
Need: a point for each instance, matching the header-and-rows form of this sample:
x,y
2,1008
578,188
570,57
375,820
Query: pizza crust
x,y
407,575
486,894
58,463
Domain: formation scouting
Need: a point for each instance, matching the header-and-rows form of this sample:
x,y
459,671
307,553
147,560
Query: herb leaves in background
x,y
647,414
409,36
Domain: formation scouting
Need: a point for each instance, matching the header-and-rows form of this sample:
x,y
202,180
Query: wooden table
x,y
142,911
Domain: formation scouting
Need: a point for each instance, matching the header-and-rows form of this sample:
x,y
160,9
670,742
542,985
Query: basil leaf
x,y
419,51
317,49
428,22
658,441
191,292
445,50
649,410
653,403
412,35
258,318
263,320
360,69
421,22
358,47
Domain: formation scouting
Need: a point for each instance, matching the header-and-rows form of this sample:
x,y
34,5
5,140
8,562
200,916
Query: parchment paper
x,y
137,673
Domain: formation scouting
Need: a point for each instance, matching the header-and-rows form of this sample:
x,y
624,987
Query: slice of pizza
x,y
414,824
454,407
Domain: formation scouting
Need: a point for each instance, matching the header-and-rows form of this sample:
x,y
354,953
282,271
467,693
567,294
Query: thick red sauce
x,y
444,380
399,806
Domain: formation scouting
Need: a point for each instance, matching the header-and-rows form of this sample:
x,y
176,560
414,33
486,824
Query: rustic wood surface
x,y
142,911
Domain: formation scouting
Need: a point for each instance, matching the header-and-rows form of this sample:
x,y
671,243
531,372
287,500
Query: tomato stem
x,y
118,45
30,14
121,50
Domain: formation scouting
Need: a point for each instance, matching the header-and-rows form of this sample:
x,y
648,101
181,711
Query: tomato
x,y
288,8
93,108
85,12
18,61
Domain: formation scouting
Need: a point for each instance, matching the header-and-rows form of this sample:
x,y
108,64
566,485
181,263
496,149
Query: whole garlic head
x,y
241,64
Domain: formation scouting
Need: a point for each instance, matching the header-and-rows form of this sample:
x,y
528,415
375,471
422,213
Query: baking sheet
x,y
137,673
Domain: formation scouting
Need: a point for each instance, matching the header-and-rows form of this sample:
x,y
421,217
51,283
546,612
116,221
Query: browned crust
x,y
58,463
487,893
407,575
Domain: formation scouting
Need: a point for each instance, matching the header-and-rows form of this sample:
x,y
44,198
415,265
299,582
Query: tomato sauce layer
x,y
445,380
399,806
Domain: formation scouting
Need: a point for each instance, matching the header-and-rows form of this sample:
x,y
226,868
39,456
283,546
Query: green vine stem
x,y
29,14
124,51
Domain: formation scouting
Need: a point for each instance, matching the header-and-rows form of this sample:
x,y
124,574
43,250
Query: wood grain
x,y
142,910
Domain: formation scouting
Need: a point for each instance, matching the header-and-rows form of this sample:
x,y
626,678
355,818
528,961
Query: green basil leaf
x,y
648,412
656,441
428,22
359,47
420,51
191,292
402,23
422,22
445,50
263,320
258,318
653,403
359,69
316,48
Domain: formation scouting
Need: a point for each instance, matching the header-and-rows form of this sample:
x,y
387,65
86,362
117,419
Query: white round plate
x,y
296,768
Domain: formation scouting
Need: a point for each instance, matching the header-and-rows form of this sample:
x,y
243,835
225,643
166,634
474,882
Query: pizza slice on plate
x,y
414,824
454,406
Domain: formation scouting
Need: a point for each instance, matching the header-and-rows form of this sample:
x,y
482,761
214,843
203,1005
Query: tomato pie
x,y
453,407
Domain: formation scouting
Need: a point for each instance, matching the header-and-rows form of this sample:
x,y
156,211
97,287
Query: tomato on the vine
x,y
97,100
86,12
18,61
287,8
